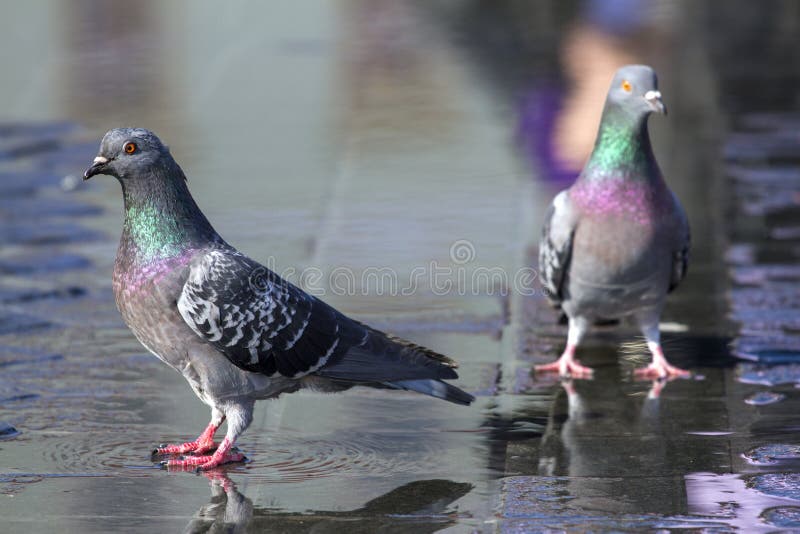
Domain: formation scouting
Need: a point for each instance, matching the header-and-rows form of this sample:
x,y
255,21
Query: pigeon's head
x,y
127,153
634,91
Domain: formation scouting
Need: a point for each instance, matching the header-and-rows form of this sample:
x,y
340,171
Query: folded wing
x,y
264,324
555,248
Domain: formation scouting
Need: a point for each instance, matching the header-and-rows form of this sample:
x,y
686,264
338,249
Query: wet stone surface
x,y
407,136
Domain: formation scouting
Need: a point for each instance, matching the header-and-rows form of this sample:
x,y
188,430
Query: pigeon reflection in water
x,y
423,504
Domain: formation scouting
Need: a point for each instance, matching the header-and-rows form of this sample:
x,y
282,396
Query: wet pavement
x,y
396,159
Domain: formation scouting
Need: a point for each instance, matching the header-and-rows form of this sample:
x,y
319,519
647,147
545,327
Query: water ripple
x,y
292,459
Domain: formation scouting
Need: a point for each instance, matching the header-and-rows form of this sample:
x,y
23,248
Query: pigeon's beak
x,y
656,104
98,167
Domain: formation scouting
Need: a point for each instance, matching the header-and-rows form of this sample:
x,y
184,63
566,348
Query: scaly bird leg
x,y
222,455
239,417
567,365
203,443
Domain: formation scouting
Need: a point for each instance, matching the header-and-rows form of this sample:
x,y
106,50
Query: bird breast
x,y
622,231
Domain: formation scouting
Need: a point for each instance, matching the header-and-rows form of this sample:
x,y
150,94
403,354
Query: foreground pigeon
x,y
617,241
234,329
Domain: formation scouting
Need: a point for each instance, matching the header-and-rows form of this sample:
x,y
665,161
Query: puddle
x,y
731,500
783,485
373,113
543,503
763,398
782,516
768,375
772,454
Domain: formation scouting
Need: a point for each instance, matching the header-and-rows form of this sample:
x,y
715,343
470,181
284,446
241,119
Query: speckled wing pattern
x,y
555,248
259,321
264,324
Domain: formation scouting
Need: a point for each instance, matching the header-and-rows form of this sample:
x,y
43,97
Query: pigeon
x,y
233,328
616,242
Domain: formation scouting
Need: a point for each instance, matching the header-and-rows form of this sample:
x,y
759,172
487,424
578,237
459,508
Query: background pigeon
x,y
617,241
234,329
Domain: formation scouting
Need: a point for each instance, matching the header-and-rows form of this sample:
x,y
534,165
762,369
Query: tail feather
x,y
383,358
435,388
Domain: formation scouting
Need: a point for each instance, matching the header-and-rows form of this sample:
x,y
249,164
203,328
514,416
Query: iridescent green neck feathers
x,y
622,147
161,218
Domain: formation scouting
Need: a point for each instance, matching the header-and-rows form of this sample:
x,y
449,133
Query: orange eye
x,y
129,148
626,86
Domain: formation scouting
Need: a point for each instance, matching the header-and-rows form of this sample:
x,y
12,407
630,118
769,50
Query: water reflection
x,y
575,422
420,506
228,510
740,502
125,73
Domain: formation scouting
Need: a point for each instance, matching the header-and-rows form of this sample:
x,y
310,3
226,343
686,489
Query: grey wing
x,y
260,322
680,257
555,248
264,324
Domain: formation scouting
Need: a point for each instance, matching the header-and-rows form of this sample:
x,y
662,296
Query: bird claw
x,y
211,467
191,446
198,464
204,463
660,371
570,369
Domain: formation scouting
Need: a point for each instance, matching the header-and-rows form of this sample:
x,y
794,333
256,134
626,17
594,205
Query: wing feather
x,y
258,320
680,258
264,324
555,248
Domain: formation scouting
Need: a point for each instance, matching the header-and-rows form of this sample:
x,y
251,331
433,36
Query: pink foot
x,y
660,367
223,455
566,365
190,446
204,463
661,370
204,443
